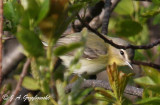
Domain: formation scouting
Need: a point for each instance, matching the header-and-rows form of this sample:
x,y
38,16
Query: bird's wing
x,y
94,46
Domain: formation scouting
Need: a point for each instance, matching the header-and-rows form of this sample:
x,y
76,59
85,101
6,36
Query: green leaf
x,y
128,28
152,73
145,81
61,50
156,19
76,88
125,7
151,100
139,56
29,83
107,93
63,97
81,94
12,12
151,13
31,7
9,11
24,22
100,97
76,6
158,48
148,83
127,101
156,2
43,10
31,42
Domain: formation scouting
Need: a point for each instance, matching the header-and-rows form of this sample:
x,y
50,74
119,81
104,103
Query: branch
x,y
99,83
90,14
148,46
147,64
97,21
106,16
24,71
92,17
1,33
94,11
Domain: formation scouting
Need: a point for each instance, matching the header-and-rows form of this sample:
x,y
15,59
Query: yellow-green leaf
x,y
29,83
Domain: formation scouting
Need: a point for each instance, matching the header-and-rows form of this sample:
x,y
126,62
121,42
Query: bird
x,y
97,54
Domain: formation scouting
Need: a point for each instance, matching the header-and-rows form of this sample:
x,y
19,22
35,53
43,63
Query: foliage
x,y
151,84
118,81
34,21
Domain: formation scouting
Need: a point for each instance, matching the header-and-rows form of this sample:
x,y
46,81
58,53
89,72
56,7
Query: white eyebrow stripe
x,y
125,54
127,57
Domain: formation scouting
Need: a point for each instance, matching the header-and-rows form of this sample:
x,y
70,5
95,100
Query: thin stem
x,y
147,64
49,49
18,87
148,46
52,61
1,33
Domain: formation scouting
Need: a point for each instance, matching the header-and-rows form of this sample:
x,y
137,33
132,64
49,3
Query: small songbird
x,y
97,54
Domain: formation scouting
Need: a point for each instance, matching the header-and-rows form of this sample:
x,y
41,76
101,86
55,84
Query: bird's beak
x,y
129,65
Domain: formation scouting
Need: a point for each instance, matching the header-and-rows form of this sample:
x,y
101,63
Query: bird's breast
x,y
88,66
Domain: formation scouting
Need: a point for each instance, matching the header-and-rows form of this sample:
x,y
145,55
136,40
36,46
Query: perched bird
x,y
97,54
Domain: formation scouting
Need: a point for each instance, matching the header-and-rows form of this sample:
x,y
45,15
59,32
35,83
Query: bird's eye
x,y
121,52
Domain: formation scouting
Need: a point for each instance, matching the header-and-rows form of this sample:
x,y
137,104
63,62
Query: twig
x,y
106,17
1,33
148,46
99,83
8,38
147,64
18,87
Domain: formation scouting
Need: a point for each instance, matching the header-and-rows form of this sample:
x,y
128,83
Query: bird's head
x,y
120,56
